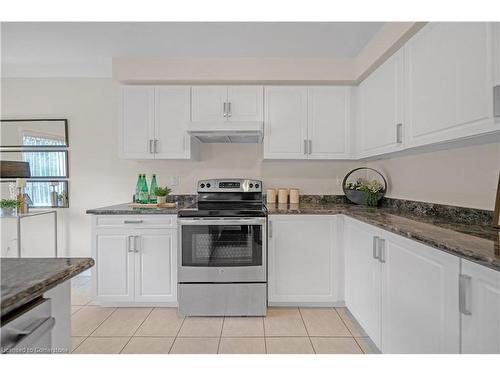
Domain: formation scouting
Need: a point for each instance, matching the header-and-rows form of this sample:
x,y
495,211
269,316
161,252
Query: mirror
x,y
42,193
34,133
43,163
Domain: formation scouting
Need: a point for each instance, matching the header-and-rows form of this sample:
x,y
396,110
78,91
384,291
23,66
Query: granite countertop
x,y
475,242
24,279
124,209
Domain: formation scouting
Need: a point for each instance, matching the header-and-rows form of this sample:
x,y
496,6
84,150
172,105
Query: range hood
x,y
227,132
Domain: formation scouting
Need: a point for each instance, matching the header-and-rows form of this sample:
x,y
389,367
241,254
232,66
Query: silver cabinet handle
x,y
150,146
132,221
375,254
381,245
129,247
464,290
399,133
136,247
155,146
229,114
24,338
496,101
270,229
309,147
224,112
305,146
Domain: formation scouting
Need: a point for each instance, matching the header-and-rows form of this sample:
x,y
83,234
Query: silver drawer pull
x,y
381,257
464,286
376,254
132,221
399,133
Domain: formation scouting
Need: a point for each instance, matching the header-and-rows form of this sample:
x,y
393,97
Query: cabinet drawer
x,y
136,221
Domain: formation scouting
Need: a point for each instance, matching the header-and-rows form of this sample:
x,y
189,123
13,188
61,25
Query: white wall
x,y
463,176
99,178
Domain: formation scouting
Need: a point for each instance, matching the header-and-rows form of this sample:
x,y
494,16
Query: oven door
x,y
222,250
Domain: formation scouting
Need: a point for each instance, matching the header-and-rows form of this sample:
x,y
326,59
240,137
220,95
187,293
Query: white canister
x,y
294,196
271,195
282,196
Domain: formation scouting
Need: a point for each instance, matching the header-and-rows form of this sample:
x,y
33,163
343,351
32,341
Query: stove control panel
x,y
230,186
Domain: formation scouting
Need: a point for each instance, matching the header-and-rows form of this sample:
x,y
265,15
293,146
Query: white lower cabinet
x,y
134,265
362,277
419,297
305,263
480,309
404,294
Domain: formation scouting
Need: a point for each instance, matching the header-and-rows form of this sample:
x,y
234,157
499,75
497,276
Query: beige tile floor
x,y
105,330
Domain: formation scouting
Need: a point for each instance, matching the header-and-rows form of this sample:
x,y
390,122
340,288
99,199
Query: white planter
x,y
161,200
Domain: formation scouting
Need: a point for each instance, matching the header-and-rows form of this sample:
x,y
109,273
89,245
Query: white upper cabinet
x,y
307,122
227,104
153,122
328,122
449,78
245,103
136,122
480,309
172,116
380,109
285,122
208,103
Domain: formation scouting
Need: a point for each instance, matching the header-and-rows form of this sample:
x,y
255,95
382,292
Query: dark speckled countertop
x,y
476,242
24,279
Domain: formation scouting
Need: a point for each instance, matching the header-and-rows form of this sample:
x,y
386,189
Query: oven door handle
x,y
222,221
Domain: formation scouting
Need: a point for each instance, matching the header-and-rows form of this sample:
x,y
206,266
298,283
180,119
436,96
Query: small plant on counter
x,y
370,188
161,194
162,191
8,206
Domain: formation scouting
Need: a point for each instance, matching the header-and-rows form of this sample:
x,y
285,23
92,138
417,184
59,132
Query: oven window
x,y
221,245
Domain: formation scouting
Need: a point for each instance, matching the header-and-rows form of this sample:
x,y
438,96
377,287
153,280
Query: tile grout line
x,y
264,332
220,335
133,333
343,322
177,334
86,337
307,331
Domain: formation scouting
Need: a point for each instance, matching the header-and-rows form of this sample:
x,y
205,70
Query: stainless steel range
x,y
222,260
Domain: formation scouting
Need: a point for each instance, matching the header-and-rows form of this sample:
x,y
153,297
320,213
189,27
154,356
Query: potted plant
x,y
8,206
363,190
161,194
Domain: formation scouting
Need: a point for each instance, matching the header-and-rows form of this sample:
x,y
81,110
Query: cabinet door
x,y
136,122
480,309
285,122
208,103
245,103
362,277
419,298
449,78
301,259
381,108
113,273
172,116
156,266
328,124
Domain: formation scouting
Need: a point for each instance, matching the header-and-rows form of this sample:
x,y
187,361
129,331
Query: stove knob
x,y
202,186
251,186
208,184
256,186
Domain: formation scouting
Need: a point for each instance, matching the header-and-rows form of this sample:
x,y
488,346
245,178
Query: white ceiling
x,y
85,49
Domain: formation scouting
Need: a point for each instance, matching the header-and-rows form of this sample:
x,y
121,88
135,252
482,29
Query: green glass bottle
x,y
143,195
138,189
152,189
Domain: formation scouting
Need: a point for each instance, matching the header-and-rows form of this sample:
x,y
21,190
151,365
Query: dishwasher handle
x,y
17,338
